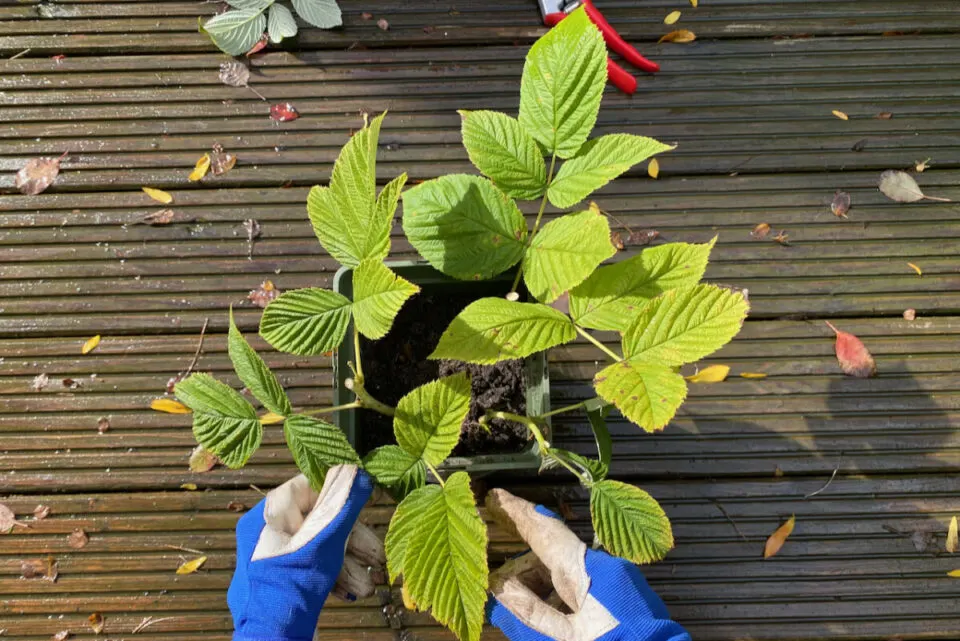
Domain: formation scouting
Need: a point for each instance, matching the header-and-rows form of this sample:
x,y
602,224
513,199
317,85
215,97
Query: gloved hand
x,y
607,597
291,550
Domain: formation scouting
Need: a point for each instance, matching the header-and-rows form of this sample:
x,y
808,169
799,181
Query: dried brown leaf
x,y
884,115
900,186
202,460
161,217
779,537
221,161
910,314
69,383
78,539
38,174
41,512
761,231
783,238
103,425
854,357
8,520
841,204
681,35
263,294
97,622
234,74
366,15
236,506
922,165
383,24
33,568
952,536
616,240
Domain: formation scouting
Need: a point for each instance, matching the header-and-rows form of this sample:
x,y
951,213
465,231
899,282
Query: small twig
x,y
732,522
259,95
619,222
22,53
180,548
148,621
257,489
196,355
832,476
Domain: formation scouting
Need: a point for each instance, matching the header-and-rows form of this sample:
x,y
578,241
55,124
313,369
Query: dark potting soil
x,y
397,363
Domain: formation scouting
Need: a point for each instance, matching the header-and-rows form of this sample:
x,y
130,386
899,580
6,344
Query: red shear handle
x,y
620,78
615,42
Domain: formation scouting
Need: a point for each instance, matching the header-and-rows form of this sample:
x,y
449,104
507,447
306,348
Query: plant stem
x,y
561,410
436,474
536,224
562,461
523,420
356,353
364,398
335,408
603,348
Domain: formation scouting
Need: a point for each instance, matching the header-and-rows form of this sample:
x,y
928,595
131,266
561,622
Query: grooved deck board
x,y
137,99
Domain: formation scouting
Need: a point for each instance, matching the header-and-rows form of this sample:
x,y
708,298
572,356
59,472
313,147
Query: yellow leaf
x,y
954,573
90,345
778,538
840,115
201,168
952,540
915,268
271,419
653,169
681,35
191,566
158,195
752,375
712,374
408,601
190,487
169,406
672,17
693,3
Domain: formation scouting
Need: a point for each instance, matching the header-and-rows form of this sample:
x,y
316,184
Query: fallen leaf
x,y
761,231
8,520
190,487
653,168
922,165
103,425
200,169
366,15
854,357
915,268
910,314
778,538
681,35
221,162
900,186
191,566
236,506
841,204
33,569
161,217
383,24
782,238
96,622
753,375
169,406
860,145
234,74
923,541
260,46
78,539
777,472
41,512
202,460
63,635
38,174
90,345
954,573
263,294
158,195
283,111
884,115
672,17
40,381
952,536
712,374
271,419
840,115
694,3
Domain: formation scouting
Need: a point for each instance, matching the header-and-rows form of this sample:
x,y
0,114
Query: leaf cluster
x,y
237,30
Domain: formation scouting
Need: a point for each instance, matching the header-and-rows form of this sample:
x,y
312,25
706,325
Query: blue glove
x,y
608,597
290,551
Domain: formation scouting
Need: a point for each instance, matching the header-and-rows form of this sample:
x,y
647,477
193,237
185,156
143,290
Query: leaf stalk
x,y
536,223
603,348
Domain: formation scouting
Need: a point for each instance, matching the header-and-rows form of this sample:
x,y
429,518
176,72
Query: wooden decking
x,y
137,100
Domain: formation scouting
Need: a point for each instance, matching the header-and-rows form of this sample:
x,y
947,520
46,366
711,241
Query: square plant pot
x,y
535,372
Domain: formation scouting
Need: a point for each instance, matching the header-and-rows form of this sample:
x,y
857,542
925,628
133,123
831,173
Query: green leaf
x,y
428,419
281,23
597,412
306,321
235,32
405,520
389,197
317,446
252,5
563,80
397,470
346,217
598,162
224,422
494,329
378,295
646,393
629,522
464,226
445,565
684,325
565,252
611,297
500,148
255,374
324,14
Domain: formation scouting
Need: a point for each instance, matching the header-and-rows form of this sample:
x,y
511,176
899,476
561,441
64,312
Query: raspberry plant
x,y
238,29
470,227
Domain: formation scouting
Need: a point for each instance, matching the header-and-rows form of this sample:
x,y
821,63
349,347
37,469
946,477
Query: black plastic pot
x,y
536,375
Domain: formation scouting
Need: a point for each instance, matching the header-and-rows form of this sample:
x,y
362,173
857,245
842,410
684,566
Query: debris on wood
x,y
172,382
41,512
854,357
158,195
779,537
681,36
672,17
900,186
383,24
221,161
260,46
366,15
78,539
8,520
712,374
38,174
653,168
202,460
761,231
262,295
236,506
169,406
69,383
237,74
915,268
190,487
103,425
200,169
90,345
840,204
859,146
191,566
33,568
161,217
839,114
283,111
952,539
63,635
910,314
884,115
753,375
782,237
921,165
148,621
97,622
40,381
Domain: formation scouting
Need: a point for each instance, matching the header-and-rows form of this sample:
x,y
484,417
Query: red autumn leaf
x,y
261,44
854,357
283,111
38,174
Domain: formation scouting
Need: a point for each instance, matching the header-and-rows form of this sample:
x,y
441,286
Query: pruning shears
x,y
554,11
